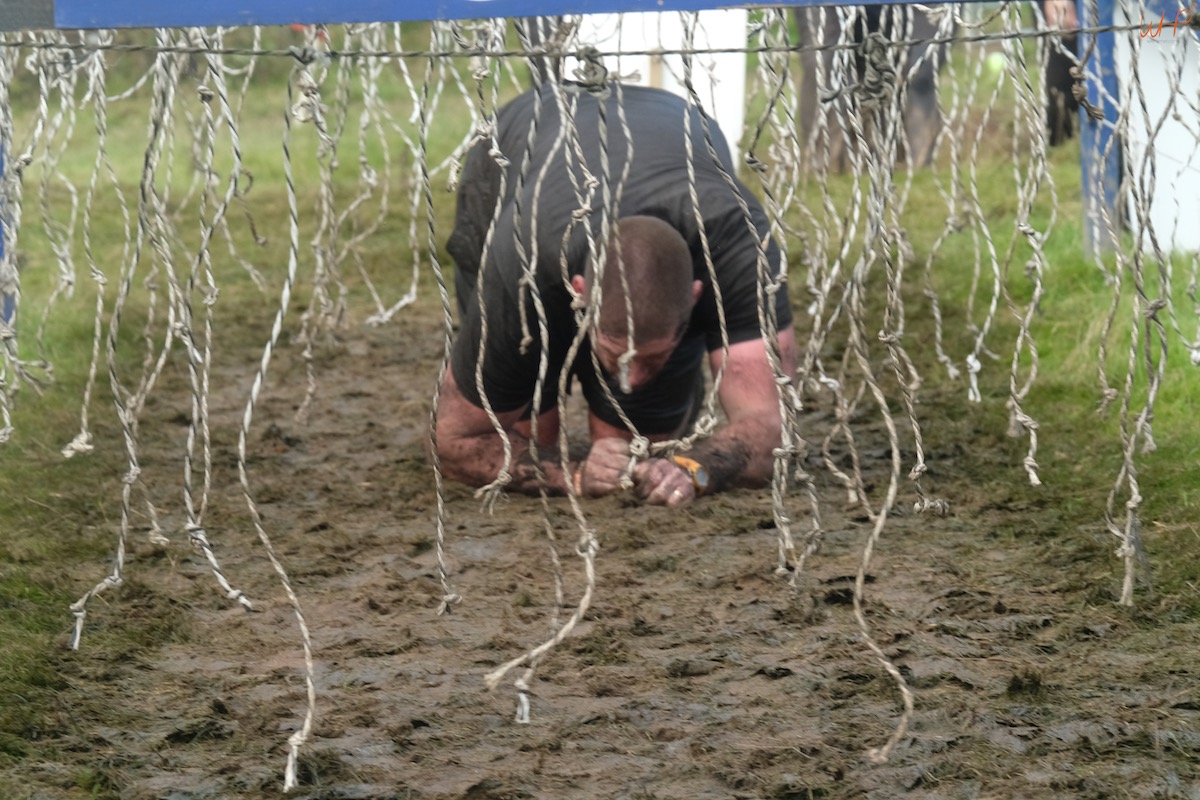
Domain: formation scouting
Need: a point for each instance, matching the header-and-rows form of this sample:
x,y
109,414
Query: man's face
x,y
650,359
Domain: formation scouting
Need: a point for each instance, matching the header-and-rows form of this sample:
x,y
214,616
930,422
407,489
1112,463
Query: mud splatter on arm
x,y
725,459
472,452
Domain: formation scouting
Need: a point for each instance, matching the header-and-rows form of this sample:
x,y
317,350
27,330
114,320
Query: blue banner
x,y
146,14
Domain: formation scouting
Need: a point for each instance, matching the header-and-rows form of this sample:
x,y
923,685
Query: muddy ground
x,y
698,673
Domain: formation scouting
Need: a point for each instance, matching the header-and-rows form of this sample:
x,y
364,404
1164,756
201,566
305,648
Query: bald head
x,y
657,269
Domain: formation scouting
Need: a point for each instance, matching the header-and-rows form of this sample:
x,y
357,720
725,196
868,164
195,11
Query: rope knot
x,y
1079,93
705,424
82,443
879,77
498,156
1021,422
493,491
305,55
589,548
591,74
448,602
639,447
937,505
308,107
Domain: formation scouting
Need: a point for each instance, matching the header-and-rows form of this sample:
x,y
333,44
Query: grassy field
x,y
58,516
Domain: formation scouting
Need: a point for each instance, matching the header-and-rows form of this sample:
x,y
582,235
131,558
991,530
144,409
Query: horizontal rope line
x,y
308,54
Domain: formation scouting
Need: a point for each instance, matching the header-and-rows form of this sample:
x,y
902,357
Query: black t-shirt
x,y
657,185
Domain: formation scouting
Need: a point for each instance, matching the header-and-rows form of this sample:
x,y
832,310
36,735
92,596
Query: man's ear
x,y
697,290
578,284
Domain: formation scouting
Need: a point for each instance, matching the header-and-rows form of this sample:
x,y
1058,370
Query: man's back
x,y
566,172
645,132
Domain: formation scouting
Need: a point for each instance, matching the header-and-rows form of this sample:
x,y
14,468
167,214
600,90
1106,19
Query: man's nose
x,y
639,374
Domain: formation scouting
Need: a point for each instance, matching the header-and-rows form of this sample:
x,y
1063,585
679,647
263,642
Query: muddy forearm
x,y
738,455
477,461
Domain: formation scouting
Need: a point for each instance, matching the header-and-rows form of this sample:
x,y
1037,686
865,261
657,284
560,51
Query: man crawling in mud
x,y
654,291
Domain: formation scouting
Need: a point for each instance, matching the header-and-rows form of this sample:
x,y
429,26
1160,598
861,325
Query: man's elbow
x,y
451,448
451,460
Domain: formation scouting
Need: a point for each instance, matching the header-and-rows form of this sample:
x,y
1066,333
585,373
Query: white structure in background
x,y
719,78
1168,74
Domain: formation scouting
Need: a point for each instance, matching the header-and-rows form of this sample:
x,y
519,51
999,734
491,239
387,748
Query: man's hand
x,y
601,473
1061,14
661,483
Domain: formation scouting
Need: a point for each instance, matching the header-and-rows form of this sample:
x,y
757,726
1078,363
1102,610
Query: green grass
x,y
57,515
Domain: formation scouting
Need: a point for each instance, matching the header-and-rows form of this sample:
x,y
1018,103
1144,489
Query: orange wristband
x,y
695,470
